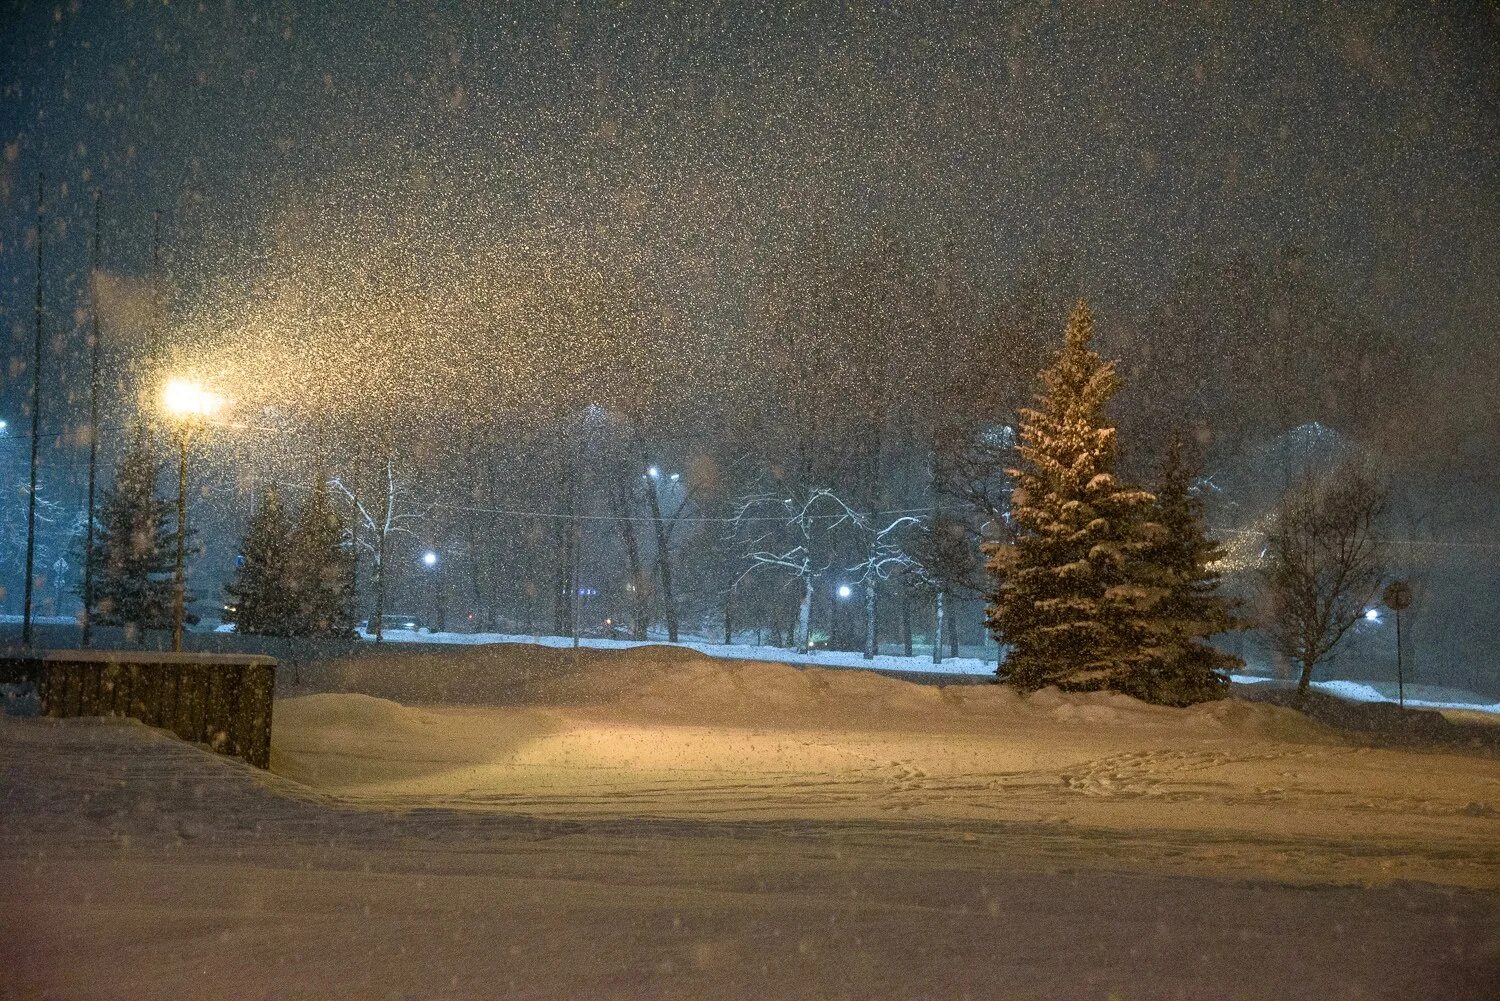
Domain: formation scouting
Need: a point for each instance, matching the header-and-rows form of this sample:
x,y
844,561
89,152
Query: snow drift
x,y
669,733
671,684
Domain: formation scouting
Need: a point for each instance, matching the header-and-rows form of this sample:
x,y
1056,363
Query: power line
x,y
1416,543
705,519
516,513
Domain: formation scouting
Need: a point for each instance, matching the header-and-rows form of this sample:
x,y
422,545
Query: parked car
x,y
394,621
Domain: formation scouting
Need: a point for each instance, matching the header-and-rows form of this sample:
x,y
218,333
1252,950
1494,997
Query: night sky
x,y
708,141
443,207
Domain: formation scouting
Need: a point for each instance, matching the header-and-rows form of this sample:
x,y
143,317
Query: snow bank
x,y
1440,698
734,651
670,684
666,732
1417,696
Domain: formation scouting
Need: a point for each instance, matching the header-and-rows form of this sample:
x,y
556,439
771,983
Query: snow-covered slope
x,y
665,732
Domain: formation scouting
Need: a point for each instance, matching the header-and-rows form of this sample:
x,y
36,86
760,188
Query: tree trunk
x,y
952,636
382,535
663,560
939,613
620,501
804,614
562,601
1304,681
377,620
729,615
530,589
872,644
906,622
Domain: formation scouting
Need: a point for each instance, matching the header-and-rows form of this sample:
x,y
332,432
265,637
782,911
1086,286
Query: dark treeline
x,y
580,455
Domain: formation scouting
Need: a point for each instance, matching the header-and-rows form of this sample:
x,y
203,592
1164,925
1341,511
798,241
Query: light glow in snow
x,y
184,398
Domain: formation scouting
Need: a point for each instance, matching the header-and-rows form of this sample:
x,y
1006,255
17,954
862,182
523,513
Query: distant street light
x,y
3,426
430,558
190,405
1372,615
653,472
845,591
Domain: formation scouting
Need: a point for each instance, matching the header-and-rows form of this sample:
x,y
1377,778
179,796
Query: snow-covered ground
x,y
665,732
528,821
1417,696
137,866
735,651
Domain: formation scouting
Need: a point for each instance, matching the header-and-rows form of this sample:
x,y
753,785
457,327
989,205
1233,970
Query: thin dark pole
x,y
179,598
154,349
1400,676
36,427
88,542
577,536
354,546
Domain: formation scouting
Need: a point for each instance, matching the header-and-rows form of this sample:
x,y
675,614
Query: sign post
x,y
1397,597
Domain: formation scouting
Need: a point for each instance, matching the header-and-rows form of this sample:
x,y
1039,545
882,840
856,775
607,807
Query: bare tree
x,y
1323,564
941,561
885,554
787,534
797,540
620,492
394,514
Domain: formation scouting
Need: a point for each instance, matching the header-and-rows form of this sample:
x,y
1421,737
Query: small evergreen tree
x,y
320,568
260,593
1065,590
1178,599
134,548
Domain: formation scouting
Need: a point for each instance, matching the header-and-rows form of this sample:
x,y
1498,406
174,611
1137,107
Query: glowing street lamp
x,y
845,591
189,405
186,400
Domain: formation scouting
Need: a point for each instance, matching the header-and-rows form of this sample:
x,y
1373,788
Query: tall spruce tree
x,y
134,546
319,568
260,593
1065,591
1177,597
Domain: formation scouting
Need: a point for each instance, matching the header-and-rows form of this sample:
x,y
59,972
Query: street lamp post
x,y
1397,598
189,404
430,560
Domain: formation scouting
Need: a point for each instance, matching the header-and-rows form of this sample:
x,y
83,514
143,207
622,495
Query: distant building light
x,y
653,472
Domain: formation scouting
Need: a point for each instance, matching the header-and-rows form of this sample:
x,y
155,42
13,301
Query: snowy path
x,y
138,866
